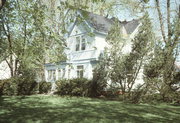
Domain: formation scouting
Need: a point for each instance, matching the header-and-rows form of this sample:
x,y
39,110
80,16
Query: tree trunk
x,y
160,20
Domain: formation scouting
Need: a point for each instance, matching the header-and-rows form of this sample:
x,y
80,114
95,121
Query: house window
x,y
80,71
80,43
63,73
51,75
83,43
54,75
59,74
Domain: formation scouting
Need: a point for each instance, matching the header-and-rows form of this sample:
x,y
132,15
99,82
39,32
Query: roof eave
x,y
99,32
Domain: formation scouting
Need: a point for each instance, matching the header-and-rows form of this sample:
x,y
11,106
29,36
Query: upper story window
x,y
80,43
83,43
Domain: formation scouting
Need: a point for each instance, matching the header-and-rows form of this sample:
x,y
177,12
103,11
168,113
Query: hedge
x,y
73,87
23,86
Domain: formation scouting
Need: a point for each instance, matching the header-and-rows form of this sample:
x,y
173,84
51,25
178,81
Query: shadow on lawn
x,y
34,109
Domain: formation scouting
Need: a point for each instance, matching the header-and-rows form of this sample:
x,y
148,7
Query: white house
x,y
84,48
5,72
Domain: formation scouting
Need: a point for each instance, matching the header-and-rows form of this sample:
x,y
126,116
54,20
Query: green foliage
x,y
44,87
18,86
100,78
23,86
141,50
124,68
26,36
8,87
73,87
26,85
160,72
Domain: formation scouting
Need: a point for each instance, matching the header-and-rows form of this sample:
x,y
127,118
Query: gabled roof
x,y
103,24
130,26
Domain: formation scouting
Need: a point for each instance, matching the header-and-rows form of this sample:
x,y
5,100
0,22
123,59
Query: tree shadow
x,y
36,109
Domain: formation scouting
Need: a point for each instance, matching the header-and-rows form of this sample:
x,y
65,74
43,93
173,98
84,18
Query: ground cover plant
x,y
45,109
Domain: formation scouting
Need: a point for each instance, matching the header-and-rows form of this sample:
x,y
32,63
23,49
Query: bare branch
x,y
160,20
168,20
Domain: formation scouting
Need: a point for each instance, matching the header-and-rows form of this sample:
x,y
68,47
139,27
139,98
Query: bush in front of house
x,y
73,87
80,86
7,87
44,87
64,87
26,85
18,86
1,86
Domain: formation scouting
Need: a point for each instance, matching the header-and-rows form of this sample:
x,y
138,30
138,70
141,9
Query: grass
x,y
50,109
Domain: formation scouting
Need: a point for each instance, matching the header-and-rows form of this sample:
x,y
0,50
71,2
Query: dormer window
x,y
80,43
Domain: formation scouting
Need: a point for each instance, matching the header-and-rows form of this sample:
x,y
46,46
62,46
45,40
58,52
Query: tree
x,y
100,77
160,72
124,68
25,36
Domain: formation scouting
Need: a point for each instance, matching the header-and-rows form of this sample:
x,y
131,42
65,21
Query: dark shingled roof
x,y
130,26
103,24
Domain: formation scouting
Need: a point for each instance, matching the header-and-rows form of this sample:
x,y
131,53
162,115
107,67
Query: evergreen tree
x,y
124,68
160,72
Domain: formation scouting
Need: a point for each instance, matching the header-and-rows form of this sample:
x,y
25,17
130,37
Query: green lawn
x,y
49,109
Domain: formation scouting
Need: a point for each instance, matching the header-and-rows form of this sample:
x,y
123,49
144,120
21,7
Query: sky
x,y
154,15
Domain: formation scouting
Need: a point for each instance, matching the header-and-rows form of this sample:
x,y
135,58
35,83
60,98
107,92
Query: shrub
x,y
26,85
64,87
73,87
18,86
80,87
1,86
99,81
8,87
44,87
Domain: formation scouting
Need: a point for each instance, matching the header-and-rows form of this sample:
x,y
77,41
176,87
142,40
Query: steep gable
x,y
103,24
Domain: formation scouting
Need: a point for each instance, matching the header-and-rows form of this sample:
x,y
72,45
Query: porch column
x,y
46,74
90,76
56,74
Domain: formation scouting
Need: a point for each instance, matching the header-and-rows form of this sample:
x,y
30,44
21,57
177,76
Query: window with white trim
x,y
80,43
59,74
63,73
51,75
80,71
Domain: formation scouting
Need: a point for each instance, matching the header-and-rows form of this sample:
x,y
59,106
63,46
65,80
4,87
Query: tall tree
x,y
161,72
125,67
24,35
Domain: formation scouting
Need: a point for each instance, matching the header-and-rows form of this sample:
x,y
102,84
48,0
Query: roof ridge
x,y
103,24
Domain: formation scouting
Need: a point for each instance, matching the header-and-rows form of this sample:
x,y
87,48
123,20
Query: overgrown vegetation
x,y
73,87
23,86
44,87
